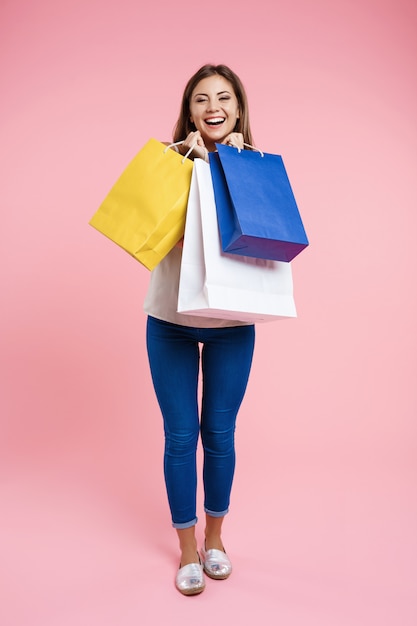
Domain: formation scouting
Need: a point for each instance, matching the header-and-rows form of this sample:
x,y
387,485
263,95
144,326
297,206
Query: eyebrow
x,y
218,94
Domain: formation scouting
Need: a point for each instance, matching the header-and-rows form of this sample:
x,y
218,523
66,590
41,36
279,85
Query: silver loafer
x,y
190,579
216,563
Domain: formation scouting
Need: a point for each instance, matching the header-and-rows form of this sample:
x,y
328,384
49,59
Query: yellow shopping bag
x,y
144,212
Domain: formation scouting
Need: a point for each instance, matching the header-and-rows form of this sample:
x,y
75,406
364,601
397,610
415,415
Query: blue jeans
x,y
174,358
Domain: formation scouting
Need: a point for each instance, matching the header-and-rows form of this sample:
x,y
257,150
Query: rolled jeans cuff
x,y
181,526
216,513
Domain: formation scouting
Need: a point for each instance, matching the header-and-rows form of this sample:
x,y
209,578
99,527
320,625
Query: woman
x,y
214,110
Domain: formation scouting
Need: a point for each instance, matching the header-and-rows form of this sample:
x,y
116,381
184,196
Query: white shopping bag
x,y
226,286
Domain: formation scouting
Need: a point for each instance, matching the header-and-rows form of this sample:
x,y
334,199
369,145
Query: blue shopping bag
x,y
256,209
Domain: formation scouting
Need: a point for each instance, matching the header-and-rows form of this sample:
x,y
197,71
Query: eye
x,y
224,97
201,99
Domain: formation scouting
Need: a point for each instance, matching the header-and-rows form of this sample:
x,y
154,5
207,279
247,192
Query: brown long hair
x,y
184,126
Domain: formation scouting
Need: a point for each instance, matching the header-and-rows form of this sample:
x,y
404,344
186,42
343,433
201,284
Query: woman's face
x,y
214,109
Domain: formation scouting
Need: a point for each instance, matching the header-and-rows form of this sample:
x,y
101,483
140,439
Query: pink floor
x,y
328,552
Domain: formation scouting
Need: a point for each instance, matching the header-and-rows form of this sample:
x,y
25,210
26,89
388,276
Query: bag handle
x,y
178,143
253,148
248,145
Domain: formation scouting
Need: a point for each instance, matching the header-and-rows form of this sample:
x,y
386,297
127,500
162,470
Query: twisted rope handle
x,y
253,148
178,143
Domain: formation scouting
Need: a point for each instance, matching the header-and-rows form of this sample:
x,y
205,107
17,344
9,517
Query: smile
x,y
215,121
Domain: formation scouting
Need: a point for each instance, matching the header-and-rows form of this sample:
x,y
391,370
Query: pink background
x,y
322,529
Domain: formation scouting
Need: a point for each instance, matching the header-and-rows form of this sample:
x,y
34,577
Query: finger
x,y
191,139
238,139
190,150
235,140
230,141
194,134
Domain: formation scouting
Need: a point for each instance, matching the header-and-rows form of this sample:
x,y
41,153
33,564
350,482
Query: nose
x,y
212,105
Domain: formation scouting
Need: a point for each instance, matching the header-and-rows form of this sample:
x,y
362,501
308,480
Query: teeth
x,y
215,120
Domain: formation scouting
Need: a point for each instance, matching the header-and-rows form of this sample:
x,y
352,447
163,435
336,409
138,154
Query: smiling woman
x,y
214,110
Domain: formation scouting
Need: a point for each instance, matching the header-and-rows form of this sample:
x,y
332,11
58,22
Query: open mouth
x,y
215,121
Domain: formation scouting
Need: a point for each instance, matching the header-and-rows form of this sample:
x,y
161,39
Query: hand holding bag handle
x,y
178,143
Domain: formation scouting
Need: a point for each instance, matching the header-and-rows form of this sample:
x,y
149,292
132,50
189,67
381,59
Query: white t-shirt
x,y
162,296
